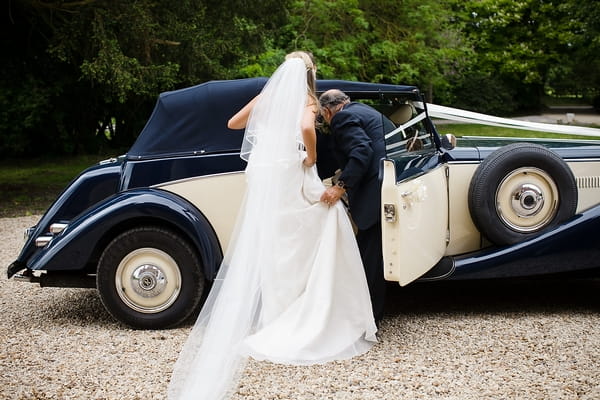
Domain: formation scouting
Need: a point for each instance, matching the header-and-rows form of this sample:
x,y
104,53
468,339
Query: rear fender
x,y
571,246
88,234
92,186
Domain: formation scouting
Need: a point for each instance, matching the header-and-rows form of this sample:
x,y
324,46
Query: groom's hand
x,y
332,195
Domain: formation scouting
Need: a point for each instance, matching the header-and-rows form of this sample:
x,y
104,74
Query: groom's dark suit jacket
x,y
359,145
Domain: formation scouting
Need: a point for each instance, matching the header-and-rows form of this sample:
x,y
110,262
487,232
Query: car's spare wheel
x,y
521,190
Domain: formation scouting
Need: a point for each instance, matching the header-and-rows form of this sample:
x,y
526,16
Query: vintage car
x,y
148,229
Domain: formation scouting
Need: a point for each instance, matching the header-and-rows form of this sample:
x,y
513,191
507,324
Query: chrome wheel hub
x,y
148,280
527,199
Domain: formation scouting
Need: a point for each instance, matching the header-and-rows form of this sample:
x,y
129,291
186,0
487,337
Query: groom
x,y
358,144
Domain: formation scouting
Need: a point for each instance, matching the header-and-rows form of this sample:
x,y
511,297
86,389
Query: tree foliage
x,y
529,48
578,71
386,41
99,65
84,74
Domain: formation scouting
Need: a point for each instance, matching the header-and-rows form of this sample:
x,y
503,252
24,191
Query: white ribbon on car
x,y
408,124
456,114
401,128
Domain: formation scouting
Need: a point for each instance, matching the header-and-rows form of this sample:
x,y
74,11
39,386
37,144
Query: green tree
x,y
334,31
417,42
528,47
385,41
578,72
99,65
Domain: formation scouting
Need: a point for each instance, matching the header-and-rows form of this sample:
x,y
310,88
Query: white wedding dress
x,y
291,288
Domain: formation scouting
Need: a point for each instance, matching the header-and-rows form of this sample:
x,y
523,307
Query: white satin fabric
x,y
291,288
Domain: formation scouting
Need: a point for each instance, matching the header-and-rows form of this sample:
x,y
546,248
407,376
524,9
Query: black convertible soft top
x,y
194,119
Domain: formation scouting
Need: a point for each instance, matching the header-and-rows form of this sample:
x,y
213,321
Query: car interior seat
x,y
402,114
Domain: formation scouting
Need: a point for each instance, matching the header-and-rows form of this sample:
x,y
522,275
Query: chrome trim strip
x,y
582,159
556,140
567,160
108,161
463,162
440,277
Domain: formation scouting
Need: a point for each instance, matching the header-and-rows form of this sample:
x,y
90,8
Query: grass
x,y
29,186
459,130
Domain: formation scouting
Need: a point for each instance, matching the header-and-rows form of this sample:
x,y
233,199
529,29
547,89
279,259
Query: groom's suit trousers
x,y
369,244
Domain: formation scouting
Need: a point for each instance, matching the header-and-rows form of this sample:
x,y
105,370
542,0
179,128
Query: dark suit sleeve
x,y
327,164
354,142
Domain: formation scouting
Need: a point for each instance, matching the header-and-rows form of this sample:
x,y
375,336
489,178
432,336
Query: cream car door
x,y
414,223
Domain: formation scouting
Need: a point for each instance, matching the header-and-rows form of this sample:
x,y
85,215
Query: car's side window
x,y
408,141
407,131
407,137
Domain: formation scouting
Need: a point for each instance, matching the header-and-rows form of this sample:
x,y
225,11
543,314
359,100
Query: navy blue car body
x,y
149,228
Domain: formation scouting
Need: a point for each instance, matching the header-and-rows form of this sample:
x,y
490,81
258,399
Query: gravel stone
x,y
492,340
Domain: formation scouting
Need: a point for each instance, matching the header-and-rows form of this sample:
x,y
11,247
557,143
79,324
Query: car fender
x,y
86,235
571,246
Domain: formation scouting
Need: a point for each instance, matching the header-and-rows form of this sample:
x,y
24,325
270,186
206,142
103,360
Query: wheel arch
x,y
81,244
159,222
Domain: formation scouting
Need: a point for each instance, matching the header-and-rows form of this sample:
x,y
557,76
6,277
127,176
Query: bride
x,y
291,288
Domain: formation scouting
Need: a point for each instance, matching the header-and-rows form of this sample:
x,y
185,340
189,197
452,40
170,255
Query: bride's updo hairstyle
x,y
311,71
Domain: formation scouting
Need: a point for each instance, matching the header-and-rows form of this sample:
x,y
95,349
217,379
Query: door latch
x,y
389,212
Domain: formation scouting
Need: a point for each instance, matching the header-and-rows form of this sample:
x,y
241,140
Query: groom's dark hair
x,y
333,97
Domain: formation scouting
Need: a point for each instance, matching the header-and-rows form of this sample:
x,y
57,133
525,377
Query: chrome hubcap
x,y
148,280
527,199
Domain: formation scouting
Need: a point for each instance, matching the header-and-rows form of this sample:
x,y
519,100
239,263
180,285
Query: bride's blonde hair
x,y
311,71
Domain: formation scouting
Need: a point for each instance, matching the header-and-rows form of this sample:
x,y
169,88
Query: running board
x,y
442,270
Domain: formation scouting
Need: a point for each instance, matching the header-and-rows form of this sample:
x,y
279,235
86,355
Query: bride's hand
x,y
308,162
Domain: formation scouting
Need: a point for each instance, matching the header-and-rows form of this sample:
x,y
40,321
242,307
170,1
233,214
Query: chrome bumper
x,y
23,277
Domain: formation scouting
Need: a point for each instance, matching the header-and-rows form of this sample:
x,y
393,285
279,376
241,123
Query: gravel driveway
x,y
518,340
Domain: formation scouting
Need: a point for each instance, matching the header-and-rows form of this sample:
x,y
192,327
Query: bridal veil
x,y
291,288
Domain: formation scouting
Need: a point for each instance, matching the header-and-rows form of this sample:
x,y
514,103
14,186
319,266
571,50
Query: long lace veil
x,y
211,360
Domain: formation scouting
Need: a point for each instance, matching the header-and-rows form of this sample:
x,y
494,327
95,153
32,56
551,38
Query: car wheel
x,y
519,191
150,278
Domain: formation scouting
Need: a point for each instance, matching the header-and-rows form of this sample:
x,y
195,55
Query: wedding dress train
x,y
291,288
